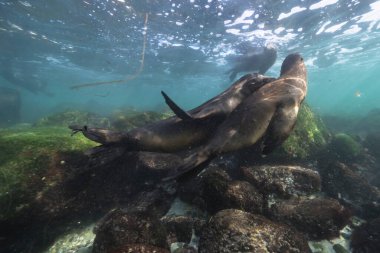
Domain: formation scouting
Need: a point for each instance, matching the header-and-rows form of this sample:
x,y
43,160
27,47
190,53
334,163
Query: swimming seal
x,y
184,131
265,118
255,60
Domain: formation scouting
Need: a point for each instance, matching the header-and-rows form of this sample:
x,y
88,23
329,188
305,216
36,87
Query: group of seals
x,y
255,110
187,129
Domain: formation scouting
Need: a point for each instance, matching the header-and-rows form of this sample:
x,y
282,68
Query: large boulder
x,y
283,180
216,190
119,228
340,181
319,218
366,238
10,105
237,231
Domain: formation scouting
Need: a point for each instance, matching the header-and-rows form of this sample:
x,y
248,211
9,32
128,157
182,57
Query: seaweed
x,y
30,158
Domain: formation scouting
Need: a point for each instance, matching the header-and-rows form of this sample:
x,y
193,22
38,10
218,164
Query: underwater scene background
x,y
104,63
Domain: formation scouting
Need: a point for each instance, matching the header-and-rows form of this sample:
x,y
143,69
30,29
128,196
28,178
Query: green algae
x,y
129,119
345,147
29,157
309,135
67,118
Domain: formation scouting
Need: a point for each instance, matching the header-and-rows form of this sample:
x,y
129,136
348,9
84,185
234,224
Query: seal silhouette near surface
x,y
255,60
265,118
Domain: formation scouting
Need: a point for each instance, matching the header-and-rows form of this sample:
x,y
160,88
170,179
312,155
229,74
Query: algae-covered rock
x,y
129,118
120,228
283,180
237,231
74,241
67,118
345,147
30,161
318,218
308,137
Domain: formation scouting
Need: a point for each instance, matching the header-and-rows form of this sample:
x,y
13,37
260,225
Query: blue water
x,y
49,46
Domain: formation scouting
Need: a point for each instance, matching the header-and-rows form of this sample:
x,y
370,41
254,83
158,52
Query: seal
x,y
265,118
254,60
187,129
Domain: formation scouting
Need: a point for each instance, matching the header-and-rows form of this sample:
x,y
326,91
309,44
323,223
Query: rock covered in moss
x,y
77,240
339,180
319,218
68,118
283,180
237,231
32,160
309,136
217,191
181,228
344,147
119,228
366,238
372,141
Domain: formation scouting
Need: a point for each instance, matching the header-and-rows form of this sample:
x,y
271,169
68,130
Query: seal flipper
x,y
175,108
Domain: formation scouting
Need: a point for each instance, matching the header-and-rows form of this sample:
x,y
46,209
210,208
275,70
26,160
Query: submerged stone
x,y
237,231
119,228
33,159
344,147
283,180
366,238
339,180
319,218
309,136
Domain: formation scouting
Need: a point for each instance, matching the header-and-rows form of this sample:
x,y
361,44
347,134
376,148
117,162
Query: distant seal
x,y
187,129
254,60
265,118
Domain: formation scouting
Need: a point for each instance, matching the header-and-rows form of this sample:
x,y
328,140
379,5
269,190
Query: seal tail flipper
x,y
175,108
191,164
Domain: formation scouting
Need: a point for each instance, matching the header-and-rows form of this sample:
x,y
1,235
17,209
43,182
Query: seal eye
x,y
301,59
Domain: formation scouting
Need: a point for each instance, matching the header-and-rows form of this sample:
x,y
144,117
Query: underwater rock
x,y
340,181
237,231
34,160
153,203
156,165
68,118
344,147
217,191
77,240
366,238
10,105
369,123
308,138
181,228
319,218
372,141
283,180
138,248
119,228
